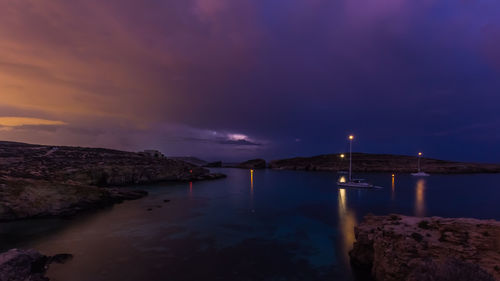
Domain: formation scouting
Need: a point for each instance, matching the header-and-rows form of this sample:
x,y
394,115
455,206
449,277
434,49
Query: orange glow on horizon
x,y
27,121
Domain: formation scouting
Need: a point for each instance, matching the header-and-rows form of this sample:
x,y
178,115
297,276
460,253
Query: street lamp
x,y
351,137
419,156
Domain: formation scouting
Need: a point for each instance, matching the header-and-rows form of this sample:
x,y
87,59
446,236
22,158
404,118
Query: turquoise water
x,y
265,225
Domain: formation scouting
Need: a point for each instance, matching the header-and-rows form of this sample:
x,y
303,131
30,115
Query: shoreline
x,y
54,181
382,163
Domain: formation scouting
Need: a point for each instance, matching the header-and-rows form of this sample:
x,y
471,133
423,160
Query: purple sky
x,y
237,79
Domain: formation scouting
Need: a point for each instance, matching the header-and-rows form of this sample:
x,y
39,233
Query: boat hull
x,y
420,174
355,185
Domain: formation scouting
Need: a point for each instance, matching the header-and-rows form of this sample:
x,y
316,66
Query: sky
x,y
238,79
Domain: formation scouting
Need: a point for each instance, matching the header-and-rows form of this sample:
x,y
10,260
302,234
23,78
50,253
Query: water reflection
x,y
251,191
347,221
393,187
419,198
251,180
190,189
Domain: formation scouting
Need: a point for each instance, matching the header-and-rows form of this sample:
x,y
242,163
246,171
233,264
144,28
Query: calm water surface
x,y
265,225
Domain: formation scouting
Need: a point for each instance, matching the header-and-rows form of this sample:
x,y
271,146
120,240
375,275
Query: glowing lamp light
x,y
420,154
392,175
351,137
342,155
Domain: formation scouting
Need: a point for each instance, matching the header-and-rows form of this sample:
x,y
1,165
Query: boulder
x,y
398,247
27,265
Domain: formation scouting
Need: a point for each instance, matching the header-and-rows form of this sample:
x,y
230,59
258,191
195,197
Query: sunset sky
x,y
238,79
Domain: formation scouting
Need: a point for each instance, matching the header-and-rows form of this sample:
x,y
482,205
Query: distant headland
x,y
362,162
381,163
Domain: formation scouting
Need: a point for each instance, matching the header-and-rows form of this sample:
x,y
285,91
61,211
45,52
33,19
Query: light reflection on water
x,y
190,189
251,191
269,221
393,188
347,221
419,198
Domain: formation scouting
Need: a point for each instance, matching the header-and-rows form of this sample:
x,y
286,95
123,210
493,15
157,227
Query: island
x,y
384,163
252,164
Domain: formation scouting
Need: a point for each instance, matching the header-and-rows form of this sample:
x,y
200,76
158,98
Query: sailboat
x,y
356,183
420,173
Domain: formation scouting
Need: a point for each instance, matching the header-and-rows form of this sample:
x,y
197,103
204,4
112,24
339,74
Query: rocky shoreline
x,y
380,163
398,247
27,265
42,181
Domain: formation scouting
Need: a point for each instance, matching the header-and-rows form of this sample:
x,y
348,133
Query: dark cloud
x,y
239,142
402,75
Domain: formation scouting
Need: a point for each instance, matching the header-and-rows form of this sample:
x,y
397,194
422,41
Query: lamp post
x,y
351,137
419,155
341,164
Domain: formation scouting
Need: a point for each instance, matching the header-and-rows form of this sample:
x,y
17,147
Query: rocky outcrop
x,y
27,265
25,198
253,164
397,248
39,181
216,164
191,160
365,162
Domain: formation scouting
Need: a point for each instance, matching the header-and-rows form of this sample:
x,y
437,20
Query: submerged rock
x,y
27,265
427,249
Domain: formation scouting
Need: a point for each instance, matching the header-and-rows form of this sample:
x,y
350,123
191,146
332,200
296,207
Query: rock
x,y
60,258
419,249
253,164
27,265
191,160
22,199
366,162
41,181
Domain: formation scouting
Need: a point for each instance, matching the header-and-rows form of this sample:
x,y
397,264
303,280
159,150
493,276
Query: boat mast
x,y
351,137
